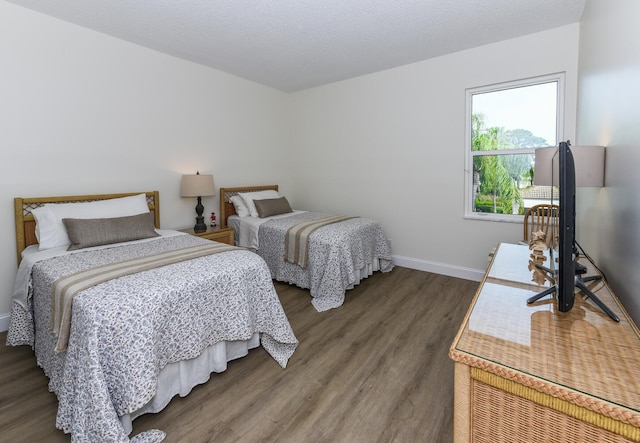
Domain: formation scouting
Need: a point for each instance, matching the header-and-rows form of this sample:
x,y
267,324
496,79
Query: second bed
x,y
324,253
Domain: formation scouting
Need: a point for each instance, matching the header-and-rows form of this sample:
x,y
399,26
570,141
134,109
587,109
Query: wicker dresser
x,y
529,373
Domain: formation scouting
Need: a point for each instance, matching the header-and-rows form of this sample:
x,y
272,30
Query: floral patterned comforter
x,y
124,331
338,255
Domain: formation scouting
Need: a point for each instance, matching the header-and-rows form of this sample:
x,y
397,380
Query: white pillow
x,y
50,230
249,197
241,208
45,224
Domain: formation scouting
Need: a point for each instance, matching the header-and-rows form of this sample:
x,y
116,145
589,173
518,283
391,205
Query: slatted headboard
x,y
26,224
226,207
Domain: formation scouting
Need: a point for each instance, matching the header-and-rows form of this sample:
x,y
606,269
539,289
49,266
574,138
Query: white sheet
x,y
246,228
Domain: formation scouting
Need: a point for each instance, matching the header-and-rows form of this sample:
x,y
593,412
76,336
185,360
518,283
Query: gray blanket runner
x,y
66,288
296,242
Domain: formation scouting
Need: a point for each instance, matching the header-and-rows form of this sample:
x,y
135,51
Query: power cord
x,y
588,257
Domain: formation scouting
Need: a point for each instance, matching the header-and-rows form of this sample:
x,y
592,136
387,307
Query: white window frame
x,y
468,166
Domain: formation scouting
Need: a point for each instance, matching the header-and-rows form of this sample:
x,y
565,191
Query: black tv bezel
x,y
565,274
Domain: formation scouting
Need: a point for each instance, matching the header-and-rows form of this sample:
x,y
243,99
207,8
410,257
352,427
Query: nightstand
x,y
222,235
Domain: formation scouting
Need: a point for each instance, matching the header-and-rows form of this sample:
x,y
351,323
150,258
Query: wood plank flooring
x,y
374,370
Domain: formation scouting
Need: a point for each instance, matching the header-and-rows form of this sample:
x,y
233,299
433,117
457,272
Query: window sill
x,y
486,216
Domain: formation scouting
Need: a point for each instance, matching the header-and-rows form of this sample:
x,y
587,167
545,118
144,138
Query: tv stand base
x,y
579,283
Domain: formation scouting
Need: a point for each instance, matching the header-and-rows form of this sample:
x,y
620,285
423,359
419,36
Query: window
x,y
505,124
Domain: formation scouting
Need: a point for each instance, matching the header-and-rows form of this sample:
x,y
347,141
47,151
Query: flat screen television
x,y
565,271
568,274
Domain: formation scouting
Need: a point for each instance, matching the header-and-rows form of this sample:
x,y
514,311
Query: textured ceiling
x,y
292,45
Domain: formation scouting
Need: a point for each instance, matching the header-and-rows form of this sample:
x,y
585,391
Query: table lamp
x,y
198,185
589,162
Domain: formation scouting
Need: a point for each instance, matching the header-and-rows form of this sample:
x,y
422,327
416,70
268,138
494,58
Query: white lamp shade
x,y
199,185
546,167
588,160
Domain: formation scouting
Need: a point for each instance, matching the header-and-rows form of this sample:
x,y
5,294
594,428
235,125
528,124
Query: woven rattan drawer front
x,y
498,416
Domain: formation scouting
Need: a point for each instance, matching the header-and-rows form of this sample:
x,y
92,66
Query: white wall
x,y
390,145
609,94
85,113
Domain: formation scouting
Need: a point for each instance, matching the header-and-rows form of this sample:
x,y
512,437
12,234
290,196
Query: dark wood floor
x,y
374,370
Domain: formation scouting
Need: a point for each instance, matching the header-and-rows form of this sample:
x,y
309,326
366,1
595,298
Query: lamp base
x,y
200,226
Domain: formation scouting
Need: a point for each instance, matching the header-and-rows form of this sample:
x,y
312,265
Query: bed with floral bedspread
x,y
125,331
339,255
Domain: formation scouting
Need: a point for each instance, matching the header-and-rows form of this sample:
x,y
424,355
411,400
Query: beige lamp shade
x,y
588,160
199,185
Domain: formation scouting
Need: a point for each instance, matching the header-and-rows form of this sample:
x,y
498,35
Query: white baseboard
x,y
439,268
4,322
405,262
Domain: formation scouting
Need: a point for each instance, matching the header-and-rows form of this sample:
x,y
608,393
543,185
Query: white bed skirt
x,y
365,272
180,377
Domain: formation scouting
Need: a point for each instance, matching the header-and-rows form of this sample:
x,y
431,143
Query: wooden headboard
x,y
226,207
26,224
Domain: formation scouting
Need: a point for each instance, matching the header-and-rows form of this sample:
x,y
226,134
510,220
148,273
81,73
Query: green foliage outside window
x,y
500,178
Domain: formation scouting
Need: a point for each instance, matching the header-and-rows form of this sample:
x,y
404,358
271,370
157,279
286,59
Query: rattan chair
x,y
542,218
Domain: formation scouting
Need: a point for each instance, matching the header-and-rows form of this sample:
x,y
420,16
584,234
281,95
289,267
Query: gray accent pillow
x,y
86,232
272,206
